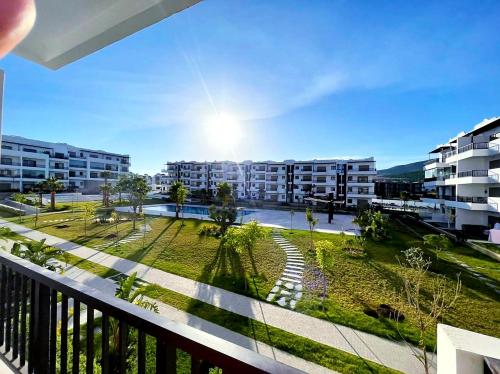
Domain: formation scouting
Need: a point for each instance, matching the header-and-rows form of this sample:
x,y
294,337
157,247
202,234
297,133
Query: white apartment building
x,y
26,162
349,182
462,176
157,182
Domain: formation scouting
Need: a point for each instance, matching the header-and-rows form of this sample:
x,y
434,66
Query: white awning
x,y
67,30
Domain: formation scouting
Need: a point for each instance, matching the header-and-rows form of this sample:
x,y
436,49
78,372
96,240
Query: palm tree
x,y
106,188
38,253
178,194
53,185
225,193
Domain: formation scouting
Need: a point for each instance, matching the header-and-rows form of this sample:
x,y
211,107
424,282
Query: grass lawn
x,y
301,347
357,284
178,249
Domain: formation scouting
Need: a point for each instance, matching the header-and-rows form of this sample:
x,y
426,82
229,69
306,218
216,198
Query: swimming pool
x,y
189,209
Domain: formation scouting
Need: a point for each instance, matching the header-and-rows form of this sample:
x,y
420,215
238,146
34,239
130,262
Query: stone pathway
x,y
288,289
476,274
396,355
130,238
60,220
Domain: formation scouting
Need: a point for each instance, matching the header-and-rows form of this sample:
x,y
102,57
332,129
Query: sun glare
x,y
224,131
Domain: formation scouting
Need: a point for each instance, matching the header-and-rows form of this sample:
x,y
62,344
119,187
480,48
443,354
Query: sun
x,y
224,131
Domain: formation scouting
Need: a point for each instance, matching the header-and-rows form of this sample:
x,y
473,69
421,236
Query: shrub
x,y
209,229
373,225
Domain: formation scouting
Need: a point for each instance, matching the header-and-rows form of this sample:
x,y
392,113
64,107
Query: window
x,y
364,167
349,201
349,189
6,146
77,164
362,179
30,150
494,192
349,178
349,167
495,164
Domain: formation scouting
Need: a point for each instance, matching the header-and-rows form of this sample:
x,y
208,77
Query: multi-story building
x,y
26,162
349,182
462,176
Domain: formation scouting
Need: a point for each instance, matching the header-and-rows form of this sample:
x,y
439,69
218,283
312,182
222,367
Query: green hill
x,y
413,171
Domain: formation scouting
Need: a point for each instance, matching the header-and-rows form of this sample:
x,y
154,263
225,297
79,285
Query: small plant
x,y
438,243
20,199
209,229
88,213
38,253
312,222
324,257
373,225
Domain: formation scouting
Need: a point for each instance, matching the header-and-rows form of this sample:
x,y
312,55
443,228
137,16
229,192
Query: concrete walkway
x,y
395,355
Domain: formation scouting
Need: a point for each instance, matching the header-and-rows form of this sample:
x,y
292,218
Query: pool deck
x,y
279,219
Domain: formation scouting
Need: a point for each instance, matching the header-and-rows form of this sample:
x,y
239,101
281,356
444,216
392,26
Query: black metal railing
x,y
473,173
36,335
431,161
468,147
473,199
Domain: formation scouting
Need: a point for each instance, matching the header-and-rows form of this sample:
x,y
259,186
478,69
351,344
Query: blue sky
x,y
304,79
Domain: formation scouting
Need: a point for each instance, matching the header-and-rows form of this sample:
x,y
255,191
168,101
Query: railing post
x,y
41,326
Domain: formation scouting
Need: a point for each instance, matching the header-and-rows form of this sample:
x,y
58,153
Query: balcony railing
x,y
473,173
431,161
34,315
473,199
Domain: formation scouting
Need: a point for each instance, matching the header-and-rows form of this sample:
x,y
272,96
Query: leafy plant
x,y
223,216
209,229
373,225
438,243
38,253
20,199
324,258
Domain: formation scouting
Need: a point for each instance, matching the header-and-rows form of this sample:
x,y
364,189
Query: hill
x,y
413,171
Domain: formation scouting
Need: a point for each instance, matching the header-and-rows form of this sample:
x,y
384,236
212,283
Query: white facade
x,y
349,182
26,162
463,176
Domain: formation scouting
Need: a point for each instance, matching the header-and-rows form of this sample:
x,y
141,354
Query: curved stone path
x,y
288,289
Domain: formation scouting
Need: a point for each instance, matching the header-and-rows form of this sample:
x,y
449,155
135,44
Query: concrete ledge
x,y
462,351
484,251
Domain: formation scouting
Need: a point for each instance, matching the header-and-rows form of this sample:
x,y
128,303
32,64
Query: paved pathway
x,y
476,274
288,289
395,355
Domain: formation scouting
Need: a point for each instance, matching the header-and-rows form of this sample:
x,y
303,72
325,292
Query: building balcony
x,y
471,177
360,184
10,164
371,171
471,203
35,313
483,149
362,195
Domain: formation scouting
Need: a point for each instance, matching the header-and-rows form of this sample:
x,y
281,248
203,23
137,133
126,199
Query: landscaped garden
x,y
360,286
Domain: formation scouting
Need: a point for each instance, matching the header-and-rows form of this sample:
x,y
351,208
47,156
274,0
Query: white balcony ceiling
x,y
67,30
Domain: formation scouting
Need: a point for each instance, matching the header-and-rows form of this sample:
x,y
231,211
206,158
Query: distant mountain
x,y
413,172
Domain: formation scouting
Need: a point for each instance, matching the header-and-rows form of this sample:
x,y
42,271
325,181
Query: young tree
x,y
39,188
312,222
405,196
428,310
33,197
20,199
53,185
138,191
244,238
438,243
373,225
38,253
178,194
324,257
88,213
115,216
122,185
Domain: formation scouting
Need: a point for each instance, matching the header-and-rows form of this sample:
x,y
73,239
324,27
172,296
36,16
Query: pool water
x,y
201,210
